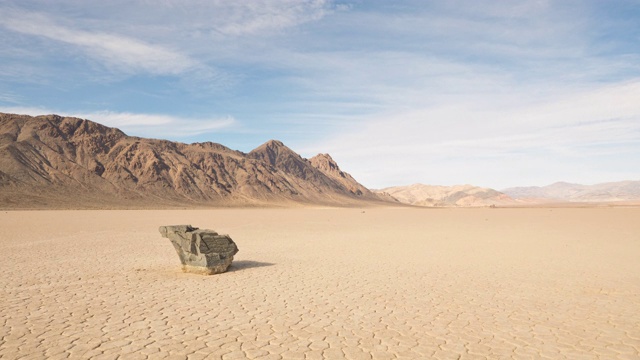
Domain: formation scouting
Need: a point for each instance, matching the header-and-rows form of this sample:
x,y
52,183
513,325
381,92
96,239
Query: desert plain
x,y
325,283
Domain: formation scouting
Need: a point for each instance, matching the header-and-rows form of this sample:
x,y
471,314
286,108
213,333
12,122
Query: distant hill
x,y
562,191
459,195
63,162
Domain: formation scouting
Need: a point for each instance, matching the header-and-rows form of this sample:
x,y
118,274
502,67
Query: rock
x,y
200,251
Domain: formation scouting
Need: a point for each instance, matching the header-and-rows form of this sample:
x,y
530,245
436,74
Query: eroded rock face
x,y
200,251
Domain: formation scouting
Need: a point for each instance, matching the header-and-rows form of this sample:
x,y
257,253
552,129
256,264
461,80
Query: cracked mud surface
x,y
325,284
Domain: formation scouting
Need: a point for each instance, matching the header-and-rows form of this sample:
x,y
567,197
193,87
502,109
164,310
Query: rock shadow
x,y
247,264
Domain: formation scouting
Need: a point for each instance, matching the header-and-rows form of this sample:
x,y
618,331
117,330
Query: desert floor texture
x,y
378,283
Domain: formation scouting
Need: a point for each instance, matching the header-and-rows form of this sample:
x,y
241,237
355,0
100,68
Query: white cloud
x,y
121,52
431,91
181,19
146,125
255,17
162,126
182,39
9,97
487,143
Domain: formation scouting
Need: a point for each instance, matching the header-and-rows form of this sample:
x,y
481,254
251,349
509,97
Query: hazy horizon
x,y
494,95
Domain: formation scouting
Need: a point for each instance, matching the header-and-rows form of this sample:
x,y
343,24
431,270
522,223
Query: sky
x,y
489,93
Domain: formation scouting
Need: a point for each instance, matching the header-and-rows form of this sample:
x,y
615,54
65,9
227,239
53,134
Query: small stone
x,y
200,251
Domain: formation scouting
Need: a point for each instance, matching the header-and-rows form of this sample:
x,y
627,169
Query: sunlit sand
x,y
381,283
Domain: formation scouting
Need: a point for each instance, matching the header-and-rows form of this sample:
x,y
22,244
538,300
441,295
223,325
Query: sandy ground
x,y
325,284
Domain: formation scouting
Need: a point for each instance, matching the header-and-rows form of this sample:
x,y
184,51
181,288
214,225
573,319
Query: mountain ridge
x,y
448,196
622,193
51,161
618,191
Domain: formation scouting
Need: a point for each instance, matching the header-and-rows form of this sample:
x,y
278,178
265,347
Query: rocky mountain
x,y
330,168
459,195
63,162
562,191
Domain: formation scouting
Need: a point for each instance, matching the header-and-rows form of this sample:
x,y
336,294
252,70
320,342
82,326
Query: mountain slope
x,y
54,161
459,195
325,164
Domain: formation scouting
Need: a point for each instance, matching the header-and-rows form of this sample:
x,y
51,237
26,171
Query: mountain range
x,y
52,161
622,192
446,196
562,191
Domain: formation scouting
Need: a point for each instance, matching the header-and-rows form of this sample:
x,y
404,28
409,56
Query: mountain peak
x,y
274,152
54,161
328,166
271,144
274,142
325,162
325,156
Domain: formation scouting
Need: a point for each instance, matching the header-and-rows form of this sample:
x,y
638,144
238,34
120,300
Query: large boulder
x,y
200,251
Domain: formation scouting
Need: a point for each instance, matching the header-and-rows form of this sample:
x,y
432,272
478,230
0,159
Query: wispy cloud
x,y
458,142
117,51
145,125
161,125
255,17
396,61
179,39
429,91
8,97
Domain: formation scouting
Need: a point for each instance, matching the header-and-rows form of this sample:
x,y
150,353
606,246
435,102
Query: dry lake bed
x,y
311,283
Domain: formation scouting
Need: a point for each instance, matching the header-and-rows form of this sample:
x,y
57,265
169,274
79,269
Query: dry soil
x,y
325,284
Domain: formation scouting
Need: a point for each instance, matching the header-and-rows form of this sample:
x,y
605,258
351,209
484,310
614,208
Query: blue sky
x,y
495,93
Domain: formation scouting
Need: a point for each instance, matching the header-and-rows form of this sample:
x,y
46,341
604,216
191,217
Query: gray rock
x,y
200,251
